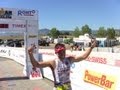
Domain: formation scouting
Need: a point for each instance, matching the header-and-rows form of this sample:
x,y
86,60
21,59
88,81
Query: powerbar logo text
x,y
26,13
104,81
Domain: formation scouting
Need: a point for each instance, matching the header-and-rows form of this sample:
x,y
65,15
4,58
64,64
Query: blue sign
x,y
26,13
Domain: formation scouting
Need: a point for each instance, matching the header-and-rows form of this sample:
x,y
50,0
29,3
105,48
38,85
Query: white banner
x,y
18,26
22,21
19,14
32,38
85,75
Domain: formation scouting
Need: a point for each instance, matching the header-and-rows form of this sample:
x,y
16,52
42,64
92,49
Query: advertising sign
x,y
32,38
23,21
18,14
97,72
5,14
108,82
21,14
16,25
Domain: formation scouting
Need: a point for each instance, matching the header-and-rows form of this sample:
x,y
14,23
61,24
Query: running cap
x,y
59,47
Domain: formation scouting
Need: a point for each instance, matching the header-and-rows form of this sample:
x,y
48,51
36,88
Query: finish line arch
x,y
22,21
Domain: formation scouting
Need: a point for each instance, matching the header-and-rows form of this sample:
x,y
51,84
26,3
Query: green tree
x,y
117,33
110,33
76,32
54,33
86,29
68,40
101,32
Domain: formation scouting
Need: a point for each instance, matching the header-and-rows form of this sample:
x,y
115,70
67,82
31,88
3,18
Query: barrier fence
x,y
100,71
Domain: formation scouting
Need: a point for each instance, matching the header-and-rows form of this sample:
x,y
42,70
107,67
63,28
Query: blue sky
x,y
67,14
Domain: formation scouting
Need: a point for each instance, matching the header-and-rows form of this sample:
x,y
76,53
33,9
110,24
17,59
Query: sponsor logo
x,y
97,60
3,51
35,74
104,81
2,12
26,13
22,25
18,25
4,25
5,14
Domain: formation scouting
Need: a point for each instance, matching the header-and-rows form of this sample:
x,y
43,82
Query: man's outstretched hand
x,y
93,43
31,48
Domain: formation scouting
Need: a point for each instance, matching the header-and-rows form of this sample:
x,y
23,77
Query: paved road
x,y
12,78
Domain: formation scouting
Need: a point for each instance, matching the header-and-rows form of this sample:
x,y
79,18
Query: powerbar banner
x,y
108,82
